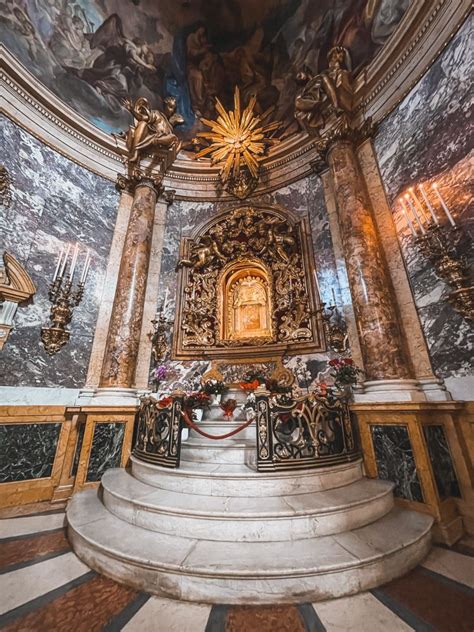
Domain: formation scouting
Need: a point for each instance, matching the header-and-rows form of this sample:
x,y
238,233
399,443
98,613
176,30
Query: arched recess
x,y
269,246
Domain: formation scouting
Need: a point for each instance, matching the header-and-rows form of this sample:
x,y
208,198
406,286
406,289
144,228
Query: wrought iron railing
x,y
158,434
292,433
308,432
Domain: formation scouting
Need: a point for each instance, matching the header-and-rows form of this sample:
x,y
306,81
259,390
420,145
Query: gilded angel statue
x,y
152,129
320,96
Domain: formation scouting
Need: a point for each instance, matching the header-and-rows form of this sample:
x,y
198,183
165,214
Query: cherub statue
x,y
207,249
152,129
274,241
319,96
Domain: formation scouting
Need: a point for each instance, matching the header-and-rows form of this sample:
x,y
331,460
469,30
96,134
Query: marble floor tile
x,y
458,567
165,615
264,619
359,613
433,600
25,550
13,527
95,605
20,586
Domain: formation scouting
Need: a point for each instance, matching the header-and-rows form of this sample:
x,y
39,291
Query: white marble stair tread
x,y
120,484
239,479
91,526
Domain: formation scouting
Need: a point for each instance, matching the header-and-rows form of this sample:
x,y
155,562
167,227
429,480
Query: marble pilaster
x,y
118,369
152,286
371,288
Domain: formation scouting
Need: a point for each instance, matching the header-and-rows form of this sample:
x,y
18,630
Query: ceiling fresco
x,y
94,53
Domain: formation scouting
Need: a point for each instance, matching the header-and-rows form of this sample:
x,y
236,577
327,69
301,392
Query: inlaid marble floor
x,y
45,587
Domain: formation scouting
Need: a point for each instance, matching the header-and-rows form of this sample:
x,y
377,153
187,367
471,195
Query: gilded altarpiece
x,y
246,288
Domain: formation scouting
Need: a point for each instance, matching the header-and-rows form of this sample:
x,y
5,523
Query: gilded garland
x,y
243,284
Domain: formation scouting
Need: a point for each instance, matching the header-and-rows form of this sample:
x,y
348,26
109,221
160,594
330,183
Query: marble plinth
x,y
218,531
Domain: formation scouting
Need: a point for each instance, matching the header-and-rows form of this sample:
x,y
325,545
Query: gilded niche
x,y
246,286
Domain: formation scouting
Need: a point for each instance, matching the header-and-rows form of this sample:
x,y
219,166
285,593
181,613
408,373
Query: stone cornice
x,y
424,31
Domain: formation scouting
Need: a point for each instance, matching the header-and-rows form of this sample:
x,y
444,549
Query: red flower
x,y
334,362
164,402
348,361
249,386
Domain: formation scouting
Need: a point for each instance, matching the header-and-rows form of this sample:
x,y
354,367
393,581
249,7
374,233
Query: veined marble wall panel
x,y
304,198
429,137
106,450
54,201
27,450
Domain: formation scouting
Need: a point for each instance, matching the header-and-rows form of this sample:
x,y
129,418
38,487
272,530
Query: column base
x,y
110,396
435,390
389,391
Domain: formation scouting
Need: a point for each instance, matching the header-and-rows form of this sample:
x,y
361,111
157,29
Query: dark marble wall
x,y
304,198
395,460
106,450
441,461
427,138
27,451
54,201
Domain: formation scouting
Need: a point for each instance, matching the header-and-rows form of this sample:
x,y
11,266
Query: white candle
x,y
317,284
443,204
333,296
63,267
165,302
427,202
419,205
58,263
415,214
86,266
407,218
74,260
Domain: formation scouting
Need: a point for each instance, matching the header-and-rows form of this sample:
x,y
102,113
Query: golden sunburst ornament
x,y
238,140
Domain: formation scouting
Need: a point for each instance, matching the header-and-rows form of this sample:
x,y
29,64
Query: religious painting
x,y
94,53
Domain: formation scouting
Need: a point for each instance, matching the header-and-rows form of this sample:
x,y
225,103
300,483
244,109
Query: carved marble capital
x,y
139,178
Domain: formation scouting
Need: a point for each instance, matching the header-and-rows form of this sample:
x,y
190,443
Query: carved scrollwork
x,y
263,240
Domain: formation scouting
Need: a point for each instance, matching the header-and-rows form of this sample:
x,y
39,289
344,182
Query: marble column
x,y
372,293
120,358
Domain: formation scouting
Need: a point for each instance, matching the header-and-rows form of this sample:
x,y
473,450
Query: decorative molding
x,y
16,287
422,34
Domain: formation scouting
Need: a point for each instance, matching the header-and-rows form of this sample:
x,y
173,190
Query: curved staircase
x,y
216,530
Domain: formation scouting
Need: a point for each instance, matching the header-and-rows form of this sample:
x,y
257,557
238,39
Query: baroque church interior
x,y
236,307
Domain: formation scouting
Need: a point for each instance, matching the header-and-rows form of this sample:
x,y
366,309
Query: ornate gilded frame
x,y
268,350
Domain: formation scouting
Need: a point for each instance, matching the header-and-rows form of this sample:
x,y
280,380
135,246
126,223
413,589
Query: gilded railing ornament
x,y
238,140
150,136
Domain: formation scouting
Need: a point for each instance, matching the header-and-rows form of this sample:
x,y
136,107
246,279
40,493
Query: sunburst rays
x,y
237,138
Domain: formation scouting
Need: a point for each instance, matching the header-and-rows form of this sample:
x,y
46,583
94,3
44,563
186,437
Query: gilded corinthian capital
x,y
325,95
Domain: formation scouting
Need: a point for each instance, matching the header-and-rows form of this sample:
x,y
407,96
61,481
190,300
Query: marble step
x,y
246,519
227,479
246,572
231,451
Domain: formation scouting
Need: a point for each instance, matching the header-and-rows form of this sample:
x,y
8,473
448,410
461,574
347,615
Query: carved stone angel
x,y
152,129
323,94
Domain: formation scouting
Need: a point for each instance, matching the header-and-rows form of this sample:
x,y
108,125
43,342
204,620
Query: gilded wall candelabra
x,y
440,245
159,335
335,328
64,298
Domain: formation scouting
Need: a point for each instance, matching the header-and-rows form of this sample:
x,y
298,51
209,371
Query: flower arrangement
x,y
274,386
344,372
252,380
213,387
158,374
197,399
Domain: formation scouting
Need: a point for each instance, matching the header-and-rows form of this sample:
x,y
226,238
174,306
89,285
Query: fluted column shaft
x,y
370,284
120,358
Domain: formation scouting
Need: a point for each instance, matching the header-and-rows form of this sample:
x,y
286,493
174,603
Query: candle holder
x,y
335,328
158,337
64,299
440,246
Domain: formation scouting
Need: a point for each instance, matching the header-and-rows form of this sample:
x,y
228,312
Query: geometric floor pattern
x,y
45,587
